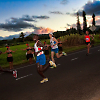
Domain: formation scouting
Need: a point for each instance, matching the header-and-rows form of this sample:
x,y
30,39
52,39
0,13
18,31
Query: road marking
x,y
23,77
74,59
25,66
98,50
58,64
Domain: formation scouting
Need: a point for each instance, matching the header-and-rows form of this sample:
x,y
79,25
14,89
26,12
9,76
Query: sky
x,y
44,16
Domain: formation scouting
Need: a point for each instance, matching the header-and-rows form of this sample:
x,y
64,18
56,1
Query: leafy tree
x,y
84,22
93,22
78,24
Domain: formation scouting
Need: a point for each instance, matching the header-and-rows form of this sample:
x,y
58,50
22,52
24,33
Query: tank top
x,y
38,49
52,43
87,38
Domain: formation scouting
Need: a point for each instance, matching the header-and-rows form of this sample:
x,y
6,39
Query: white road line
x,y
58,64
74,59
23,77
25,66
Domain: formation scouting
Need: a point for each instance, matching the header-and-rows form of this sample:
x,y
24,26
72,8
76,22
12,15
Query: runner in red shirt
x,y
87,40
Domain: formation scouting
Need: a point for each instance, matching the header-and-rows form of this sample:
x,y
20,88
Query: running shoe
x,y
52,64
44,80
15,73
64,53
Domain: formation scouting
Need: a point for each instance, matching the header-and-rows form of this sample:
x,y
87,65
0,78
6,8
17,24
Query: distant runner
x,y
87,40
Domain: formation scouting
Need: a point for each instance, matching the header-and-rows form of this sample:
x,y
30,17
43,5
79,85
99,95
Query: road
x,y
77,77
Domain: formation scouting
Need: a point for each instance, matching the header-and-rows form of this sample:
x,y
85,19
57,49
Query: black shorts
x,y
60,48
29,56
46,52
10,59
87,43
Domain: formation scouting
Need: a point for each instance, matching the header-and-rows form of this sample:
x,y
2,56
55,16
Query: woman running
x,y
29,53
46,52
9,57
54,47
87,40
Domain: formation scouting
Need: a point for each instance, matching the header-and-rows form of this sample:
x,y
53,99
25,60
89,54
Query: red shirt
x,y
87,38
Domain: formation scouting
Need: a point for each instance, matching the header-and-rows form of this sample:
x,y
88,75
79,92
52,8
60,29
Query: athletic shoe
x,y
52,64
64,53
15,73
44,80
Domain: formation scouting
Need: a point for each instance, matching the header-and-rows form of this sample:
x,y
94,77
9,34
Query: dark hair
x,y
36,35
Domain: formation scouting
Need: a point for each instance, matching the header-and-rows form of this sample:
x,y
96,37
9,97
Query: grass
x,y
74,43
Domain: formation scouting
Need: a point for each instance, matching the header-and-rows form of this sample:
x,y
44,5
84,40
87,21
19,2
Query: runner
x,y
54,48
29,54
9,57
40,58
46,52
87,40
60,46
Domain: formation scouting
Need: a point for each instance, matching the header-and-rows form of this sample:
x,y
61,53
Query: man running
x,y
40,58
87,39
54,47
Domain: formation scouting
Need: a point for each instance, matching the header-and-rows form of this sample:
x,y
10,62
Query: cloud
x,y
41,17
91,7
56,12
42,30
18,24
64,2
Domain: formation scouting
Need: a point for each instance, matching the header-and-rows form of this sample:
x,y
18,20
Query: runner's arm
x,y
92,37
54,39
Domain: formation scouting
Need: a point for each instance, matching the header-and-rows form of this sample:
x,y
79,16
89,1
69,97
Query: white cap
x,y
51,33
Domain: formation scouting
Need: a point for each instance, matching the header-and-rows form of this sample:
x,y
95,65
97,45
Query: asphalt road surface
x,y
77,77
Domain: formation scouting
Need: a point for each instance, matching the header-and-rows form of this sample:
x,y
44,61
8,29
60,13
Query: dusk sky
x,y
44,16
